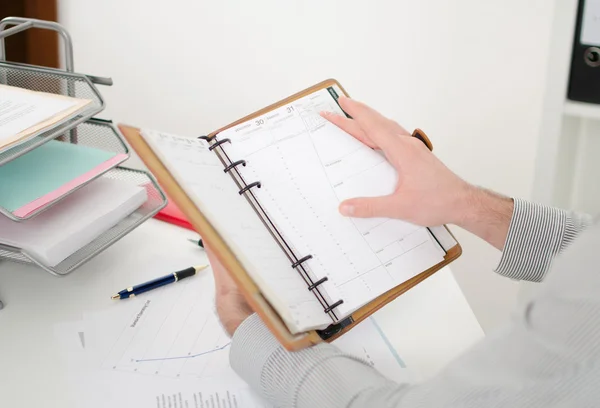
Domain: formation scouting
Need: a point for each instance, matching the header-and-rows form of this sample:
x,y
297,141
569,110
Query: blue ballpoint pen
x,y
158,282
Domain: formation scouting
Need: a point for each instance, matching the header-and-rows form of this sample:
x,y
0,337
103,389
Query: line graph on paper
x,y
175,333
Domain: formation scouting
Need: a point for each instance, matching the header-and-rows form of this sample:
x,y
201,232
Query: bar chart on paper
x,y
175,333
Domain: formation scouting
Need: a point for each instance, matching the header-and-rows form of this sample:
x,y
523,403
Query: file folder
x,y
584,77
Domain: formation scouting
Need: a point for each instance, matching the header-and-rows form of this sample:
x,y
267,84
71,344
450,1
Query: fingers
x,y
223,280
382,131
349,126
211,256
367,207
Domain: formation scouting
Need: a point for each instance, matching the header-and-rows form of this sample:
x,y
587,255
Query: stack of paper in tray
x,y
74,222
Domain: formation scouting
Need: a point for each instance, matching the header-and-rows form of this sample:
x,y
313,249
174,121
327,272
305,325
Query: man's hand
x,y
232,308
427,193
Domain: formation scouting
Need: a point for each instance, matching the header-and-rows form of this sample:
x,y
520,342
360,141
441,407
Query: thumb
x,y
366,207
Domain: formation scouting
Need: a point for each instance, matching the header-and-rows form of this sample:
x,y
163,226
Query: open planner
x,y
264,193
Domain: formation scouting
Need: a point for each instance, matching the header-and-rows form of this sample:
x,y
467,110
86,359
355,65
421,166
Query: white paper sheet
x,y
166,348
74,222
20,110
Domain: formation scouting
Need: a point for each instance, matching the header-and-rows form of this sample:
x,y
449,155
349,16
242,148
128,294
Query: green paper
x,y
46,169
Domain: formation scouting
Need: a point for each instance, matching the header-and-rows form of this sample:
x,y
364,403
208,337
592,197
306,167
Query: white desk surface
x,y
429,325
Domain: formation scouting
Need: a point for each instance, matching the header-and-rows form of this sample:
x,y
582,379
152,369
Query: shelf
x,y
94,133
50,81
155,202
582,110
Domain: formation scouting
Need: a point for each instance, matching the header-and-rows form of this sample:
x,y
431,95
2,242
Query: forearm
x,y
487,215
319,376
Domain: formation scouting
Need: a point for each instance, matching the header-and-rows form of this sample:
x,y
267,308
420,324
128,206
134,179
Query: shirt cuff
x,y
537,233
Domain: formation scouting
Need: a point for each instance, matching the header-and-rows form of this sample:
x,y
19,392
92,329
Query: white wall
x,y
469,72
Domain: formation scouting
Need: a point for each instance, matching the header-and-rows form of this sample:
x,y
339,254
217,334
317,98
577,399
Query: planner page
x,y
200,173
307,166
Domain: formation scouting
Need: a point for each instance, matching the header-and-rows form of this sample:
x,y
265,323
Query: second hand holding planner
x,y
158,282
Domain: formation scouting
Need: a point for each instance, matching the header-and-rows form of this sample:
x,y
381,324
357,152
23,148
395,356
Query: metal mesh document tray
x,y
80,129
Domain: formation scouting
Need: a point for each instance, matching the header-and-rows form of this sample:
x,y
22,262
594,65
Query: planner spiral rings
x,y
249,186
297,263
234,164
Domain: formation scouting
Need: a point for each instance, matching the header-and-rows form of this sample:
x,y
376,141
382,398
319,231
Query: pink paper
x,y
73,184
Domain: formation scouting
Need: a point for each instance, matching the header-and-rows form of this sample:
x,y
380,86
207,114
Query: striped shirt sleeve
x,y
318,376
537,233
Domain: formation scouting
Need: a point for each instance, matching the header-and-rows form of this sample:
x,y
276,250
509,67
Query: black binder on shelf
x,y
584,76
